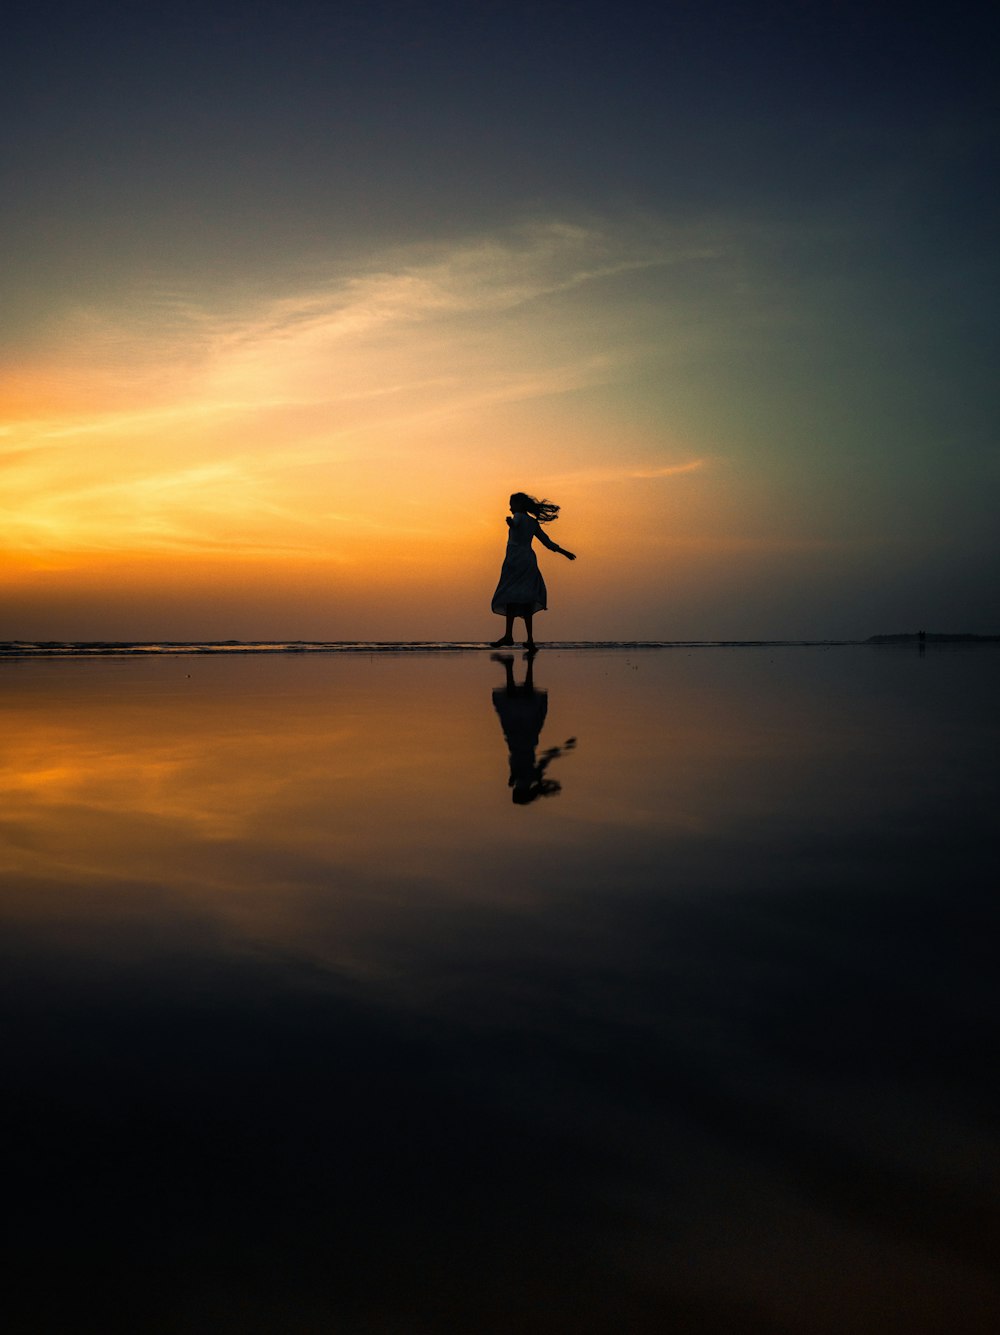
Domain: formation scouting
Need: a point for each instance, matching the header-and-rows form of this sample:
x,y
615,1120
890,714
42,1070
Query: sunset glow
x,y
399,935
354,442
281,383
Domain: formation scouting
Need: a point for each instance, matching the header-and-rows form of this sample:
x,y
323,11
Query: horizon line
x,y
150,648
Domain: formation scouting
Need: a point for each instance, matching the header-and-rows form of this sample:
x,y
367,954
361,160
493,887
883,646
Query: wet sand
x,y
309,1026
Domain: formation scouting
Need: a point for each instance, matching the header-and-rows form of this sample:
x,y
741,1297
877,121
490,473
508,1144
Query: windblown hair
x,y
544,511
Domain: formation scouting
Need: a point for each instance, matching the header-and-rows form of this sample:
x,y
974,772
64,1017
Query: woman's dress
x,y
521,582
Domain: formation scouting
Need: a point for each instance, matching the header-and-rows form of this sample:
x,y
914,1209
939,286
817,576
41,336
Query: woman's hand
x,y
570,556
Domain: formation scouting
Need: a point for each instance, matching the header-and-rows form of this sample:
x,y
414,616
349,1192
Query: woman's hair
x,y
544,511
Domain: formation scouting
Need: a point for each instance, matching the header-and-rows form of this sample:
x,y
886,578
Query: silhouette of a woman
x,y
521,590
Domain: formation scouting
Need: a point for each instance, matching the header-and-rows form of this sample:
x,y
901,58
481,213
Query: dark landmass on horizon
x,y
928,637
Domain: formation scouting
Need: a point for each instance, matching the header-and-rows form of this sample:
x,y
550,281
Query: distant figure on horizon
x,y
521,590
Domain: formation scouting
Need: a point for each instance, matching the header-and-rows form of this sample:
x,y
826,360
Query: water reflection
x,y
522,708
308,1029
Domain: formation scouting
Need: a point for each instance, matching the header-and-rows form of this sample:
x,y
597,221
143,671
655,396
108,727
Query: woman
x,y
521,591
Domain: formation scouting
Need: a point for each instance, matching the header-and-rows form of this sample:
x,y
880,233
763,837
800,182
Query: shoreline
x,y
17,649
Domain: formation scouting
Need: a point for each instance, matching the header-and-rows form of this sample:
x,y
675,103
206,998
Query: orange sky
x,y
295,298
333,459
329,455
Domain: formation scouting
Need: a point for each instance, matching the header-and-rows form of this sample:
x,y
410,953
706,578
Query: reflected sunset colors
x,y
192,770
291,978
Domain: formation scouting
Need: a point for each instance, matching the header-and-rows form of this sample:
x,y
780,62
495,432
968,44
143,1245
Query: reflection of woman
x,y
522,712
521,591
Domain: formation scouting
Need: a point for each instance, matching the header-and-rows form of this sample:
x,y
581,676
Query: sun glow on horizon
x,y
363,429
331,458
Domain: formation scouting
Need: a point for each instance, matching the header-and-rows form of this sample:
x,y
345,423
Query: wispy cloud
x,y
249,420
628,473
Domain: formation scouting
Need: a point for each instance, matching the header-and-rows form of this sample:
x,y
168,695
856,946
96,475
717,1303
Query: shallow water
x,y
309,1026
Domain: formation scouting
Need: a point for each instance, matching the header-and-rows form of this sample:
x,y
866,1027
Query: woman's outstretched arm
x,y
546,541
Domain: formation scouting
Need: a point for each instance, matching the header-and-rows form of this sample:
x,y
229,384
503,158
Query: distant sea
x,y
380,987
92,649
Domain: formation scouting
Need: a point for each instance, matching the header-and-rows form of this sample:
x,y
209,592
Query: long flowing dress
x,y
521,584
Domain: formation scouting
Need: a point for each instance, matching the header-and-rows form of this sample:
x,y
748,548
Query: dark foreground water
x,y
363,995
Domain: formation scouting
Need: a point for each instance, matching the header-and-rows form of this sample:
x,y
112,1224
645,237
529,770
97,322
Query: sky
x,y
295,295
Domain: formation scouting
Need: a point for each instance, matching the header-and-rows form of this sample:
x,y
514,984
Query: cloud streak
x,y
246,422
626,473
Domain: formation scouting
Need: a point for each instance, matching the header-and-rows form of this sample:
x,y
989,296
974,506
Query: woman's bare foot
x,y
504,643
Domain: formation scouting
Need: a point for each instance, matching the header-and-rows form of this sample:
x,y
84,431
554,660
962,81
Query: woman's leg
x,y
529,642
508,635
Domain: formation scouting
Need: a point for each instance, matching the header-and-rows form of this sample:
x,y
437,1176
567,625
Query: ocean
x,y
382,988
